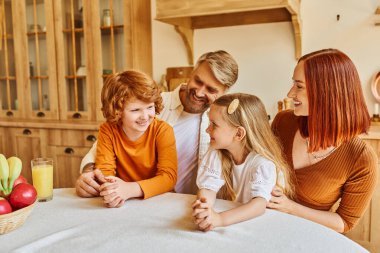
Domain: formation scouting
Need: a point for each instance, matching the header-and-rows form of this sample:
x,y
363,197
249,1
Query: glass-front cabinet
x,y
41,61
74,52
55,55
27,60
9,91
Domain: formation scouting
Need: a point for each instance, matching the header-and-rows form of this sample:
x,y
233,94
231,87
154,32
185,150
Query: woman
x,y
321,143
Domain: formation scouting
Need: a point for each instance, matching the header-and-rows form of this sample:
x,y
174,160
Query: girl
x,y
135,151
243,164
321,143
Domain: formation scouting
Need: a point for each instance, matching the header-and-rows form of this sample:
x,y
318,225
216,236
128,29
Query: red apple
x,y
20,179
5,207
22,195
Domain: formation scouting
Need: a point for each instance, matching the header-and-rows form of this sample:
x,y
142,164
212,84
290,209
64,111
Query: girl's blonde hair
x,y
250,114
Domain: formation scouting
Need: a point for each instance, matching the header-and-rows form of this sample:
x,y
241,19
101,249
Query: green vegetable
x,y
4,172
15,166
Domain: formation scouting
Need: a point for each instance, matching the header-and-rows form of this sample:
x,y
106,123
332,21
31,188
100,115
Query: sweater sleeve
x,y
105,158
358,189
166,175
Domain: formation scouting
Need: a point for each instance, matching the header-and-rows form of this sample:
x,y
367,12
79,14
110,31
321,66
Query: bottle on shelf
x,y
106,17
279,106
288,103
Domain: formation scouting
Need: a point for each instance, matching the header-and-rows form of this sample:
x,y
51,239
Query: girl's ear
x,y
240,134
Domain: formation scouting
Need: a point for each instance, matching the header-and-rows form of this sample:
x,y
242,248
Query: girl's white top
x,y
256,177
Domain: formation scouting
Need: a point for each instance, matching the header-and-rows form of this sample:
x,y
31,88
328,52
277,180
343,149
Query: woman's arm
x,y
329,219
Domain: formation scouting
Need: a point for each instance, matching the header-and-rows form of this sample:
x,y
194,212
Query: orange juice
x,y
42,174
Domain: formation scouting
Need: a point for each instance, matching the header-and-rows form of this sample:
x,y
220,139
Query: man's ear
x,y
240,134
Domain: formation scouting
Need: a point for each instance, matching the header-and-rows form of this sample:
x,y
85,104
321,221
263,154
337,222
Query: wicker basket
x,y
13,220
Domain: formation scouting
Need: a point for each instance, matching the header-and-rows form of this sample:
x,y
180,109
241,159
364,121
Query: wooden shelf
x,y
76,30
75,77
8,36
106,30
187,15
39,77
4,78
39,33
109,27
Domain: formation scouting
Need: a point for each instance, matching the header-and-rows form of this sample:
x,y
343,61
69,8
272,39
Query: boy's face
x,y
201,90
136,118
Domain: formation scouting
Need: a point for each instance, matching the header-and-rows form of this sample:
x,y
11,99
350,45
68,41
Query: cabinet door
x,y
122,39
42,89
26,144
367,231
27,60
68,147
67,160
74,47
2,142
12,67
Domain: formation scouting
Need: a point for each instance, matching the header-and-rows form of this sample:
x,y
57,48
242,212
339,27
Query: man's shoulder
x,y
161,125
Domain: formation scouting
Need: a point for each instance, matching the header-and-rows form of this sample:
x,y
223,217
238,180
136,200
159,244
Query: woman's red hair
x,y
337,110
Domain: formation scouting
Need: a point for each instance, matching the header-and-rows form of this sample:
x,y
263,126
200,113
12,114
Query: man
x,y
184,109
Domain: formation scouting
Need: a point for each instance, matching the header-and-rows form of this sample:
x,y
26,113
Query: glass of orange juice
x,y
42,175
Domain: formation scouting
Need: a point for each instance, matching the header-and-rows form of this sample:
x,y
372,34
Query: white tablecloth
x,y
161,224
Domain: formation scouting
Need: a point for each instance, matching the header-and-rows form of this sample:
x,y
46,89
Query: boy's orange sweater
x,y
151,160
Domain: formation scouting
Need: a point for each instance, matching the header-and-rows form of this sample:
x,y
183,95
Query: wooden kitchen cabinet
x,y
26,143
54,58
67,148
56,54
367,231
28,81
3,149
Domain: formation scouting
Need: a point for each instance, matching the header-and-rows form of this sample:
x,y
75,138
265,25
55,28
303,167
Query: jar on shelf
x,y
288,103
106,17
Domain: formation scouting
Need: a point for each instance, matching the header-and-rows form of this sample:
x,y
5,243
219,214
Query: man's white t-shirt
x,y
186,131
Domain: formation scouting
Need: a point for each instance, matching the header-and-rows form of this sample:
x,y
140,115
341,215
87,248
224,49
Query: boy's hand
x,y
116,191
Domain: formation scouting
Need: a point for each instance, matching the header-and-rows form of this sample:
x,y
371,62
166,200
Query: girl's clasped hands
x,y
204,215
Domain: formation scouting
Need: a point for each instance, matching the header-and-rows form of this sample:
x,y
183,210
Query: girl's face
x,y
136,118
298,91
221,133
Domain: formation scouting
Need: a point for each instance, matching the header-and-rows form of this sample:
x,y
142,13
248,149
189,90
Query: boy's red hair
x,y
122,87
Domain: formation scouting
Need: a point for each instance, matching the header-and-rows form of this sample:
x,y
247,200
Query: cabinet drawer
x,y
72,138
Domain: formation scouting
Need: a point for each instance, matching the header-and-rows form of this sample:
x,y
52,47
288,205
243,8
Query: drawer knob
x,y
77,115
9,113
26,132
91,138
40,114
69,151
